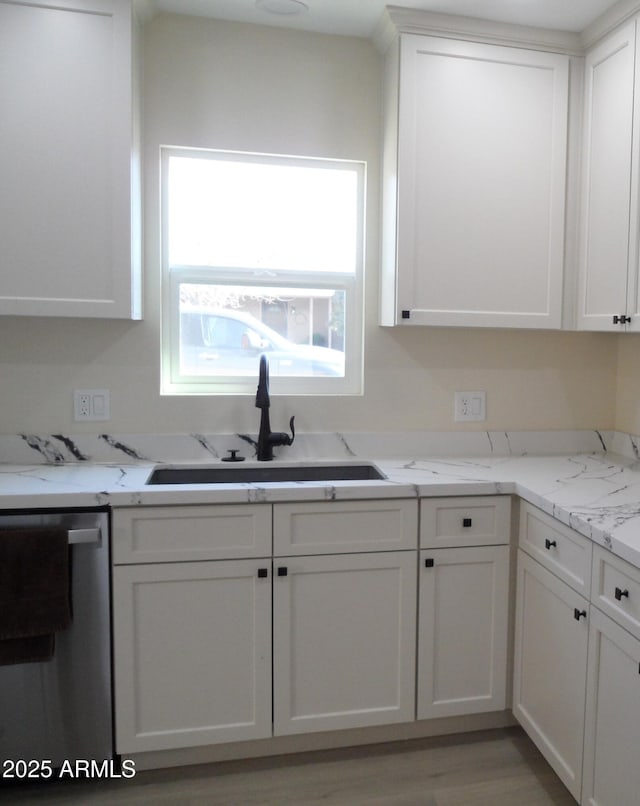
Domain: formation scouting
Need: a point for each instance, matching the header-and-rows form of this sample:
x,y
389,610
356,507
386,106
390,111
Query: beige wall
x,y
627,415
226,85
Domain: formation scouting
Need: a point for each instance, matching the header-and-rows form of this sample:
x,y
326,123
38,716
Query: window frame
x,y
175,383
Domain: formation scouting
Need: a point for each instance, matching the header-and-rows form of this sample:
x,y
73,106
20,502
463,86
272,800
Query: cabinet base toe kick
x,y
330,740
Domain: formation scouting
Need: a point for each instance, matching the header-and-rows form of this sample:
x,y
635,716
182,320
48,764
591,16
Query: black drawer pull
x,y
550,544
283,571
428,563
466,522
619,593
578,614
263,572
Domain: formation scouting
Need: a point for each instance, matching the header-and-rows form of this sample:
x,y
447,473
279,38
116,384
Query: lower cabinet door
x,y
612,729
462,638
551,637
344,641
192,653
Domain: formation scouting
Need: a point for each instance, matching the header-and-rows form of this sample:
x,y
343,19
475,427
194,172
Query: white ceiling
x,y
359,17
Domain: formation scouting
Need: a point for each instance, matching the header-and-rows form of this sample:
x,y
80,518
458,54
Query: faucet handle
x,y
280,438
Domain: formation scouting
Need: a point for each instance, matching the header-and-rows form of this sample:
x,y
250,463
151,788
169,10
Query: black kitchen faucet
x,y
267,438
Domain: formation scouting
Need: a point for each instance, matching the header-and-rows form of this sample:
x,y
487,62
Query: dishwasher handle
x,y
85,536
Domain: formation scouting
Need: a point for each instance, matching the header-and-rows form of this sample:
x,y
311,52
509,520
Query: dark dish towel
x,y
34,592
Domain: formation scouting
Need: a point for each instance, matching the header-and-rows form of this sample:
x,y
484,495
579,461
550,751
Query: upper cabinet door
x,y
68,228
608,251
480,183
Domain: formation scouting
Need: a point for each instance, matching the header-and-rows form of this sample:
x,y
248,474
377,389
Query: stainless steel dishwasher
x,y
60,710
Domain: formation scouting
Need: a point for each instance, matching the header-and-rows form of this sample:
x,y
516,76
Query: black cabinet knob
x,y
428,563
578,614
548,544
263,572
466,522
283,571
619,594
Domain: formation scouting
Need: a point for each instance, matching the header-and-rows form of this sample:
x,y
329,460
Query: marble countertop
x,y
591,481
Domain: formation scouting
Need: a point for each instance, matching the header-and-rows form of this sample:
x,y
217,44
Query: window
x,y
261,254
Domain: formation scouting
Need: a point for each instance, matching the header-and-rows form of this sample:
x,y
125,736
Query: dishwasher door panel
x,y
60,710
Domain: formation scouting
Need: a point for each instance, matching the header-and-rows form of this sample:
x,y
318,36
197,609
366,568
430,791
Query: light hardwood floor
x,y
488,768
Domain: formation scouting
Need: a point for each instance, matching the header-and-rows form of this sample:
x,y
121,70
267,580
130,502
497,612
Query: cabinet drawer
x,y
615,589
560,549
330,527
167,534
472,521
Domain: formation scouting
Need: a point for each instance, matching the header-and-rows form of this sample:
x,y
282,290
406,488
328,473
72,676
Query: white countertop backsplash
x,y
58,448
590,480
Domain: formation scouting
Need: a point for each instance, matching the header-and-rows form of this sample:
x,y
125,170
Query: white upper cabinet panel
x,y
67,222
481,167
608,254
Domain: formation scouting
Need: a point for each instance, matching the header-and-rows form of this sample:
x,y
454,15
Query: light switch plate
x,y
470,406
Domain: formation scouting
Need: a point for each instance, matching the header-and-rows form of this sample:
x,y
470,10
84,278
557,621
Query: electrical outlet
x,y
470,406
91,405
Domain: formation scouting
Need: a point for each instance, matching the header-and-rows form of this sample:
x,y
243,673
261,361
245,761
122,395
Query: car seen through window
x,y
229,342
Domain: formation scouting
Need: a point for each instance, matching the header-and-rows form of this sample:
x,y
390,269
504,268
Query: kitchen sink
x,y
252,474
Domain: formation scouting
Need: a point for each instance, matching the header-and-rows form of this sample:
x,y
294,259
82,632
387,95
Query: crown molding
x,y
605,23
396,20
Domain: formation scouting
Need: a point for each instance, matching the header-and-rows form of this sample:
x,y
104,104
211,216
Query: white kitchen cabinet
x,y
463,629
612,727
474,184
608,275
612,730
344,641
193,624
463,605
550,667
344,598
192,653
69,197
